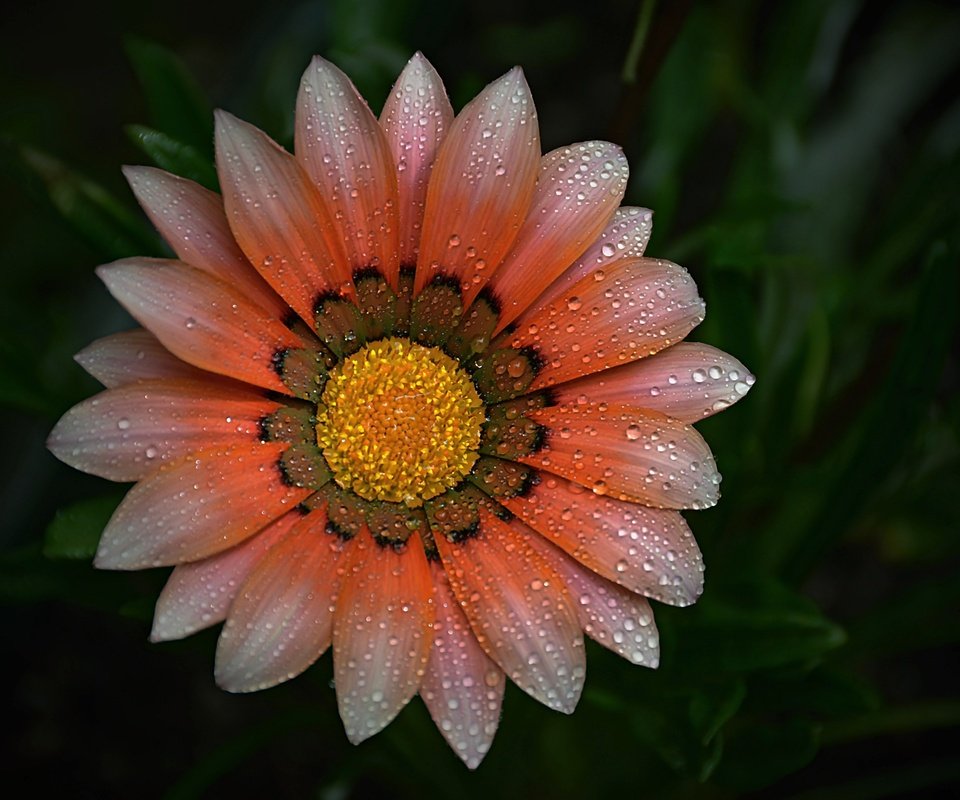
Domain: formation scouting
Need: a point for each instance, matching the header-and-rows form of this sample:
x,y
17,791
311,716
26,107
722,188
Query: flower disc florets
x,y
399,422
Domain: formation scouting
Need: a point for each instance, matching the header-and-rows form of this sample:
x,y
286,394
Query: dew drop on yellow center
x,y
399,422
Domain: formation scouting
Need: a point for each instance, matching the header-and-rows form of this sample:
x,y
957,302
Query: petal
x,y
136,355
630,310
646,550
340,144
481,186
462,687
415,119
192,220
124,434
519,609
193,508
578,191
200,318
688,382
626,236
278,217
282,619
612,616
381,634
199,594
628,453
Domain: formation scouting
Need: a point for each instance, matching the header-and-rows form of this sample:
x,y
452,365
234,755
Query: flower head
x,y
413,392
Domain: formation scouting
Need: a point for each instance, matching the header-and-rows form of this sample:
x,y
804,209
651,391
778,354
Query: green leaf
x,y
757,626
893,418
75,530
100,218
175,100
174,156
714,705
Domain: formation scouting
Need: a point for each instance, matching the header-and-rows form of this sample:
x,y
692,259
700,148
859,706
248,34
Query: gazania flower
x,y
413,392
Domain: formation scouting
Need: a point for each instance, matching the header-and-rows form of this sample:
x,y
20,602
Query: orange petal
x,y
344,150
631,309
462,687
131,356
200,318
625,236
381,634
646,550
193,508
481,186
612,616
520,611
688,382
628,453
415,118
199,594
282,618
124,434
192,220
278,217
578,191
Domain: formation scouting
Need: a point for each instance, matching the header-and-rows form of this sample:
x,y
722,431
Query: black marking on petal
x,y
264,431
549,395
302,509
530,482
285,476
488,296
503,513
532,354
446,280
455,514
279,357
324,297
408,270
366,273
290,319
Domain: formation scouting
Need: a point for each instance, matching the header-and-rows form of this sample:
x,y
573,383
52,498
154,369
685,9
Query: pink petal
x,y
132,356
519,609
124,434
192,220
612,616
462,687
200,318
415,118
629,310
646,550
481,187
688,382
628,453
625,236
199,594
344,150
278,217
578,191
381,634
193,508
282,618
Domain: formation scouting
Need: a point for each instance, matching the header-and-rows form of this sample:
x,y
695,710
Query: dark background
x,y
802,161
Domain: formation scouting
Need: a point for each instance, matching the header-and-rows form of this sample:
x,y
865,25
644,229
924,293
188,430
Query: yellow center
x,y
399,422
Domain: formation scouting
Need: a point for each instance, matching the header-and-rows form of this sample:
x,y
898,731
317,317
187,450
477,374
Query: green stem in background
x,y
640,31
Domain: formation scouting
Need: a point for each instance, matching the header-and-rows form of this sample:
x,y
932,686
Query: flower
x,y
413,392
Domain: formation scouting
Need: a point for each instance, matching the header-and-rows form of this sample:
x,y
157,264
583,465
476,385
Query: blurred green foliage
x,y
802,159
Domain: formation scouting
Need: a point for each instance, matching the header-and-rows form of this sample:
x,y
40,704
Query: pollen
x,y
399,422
